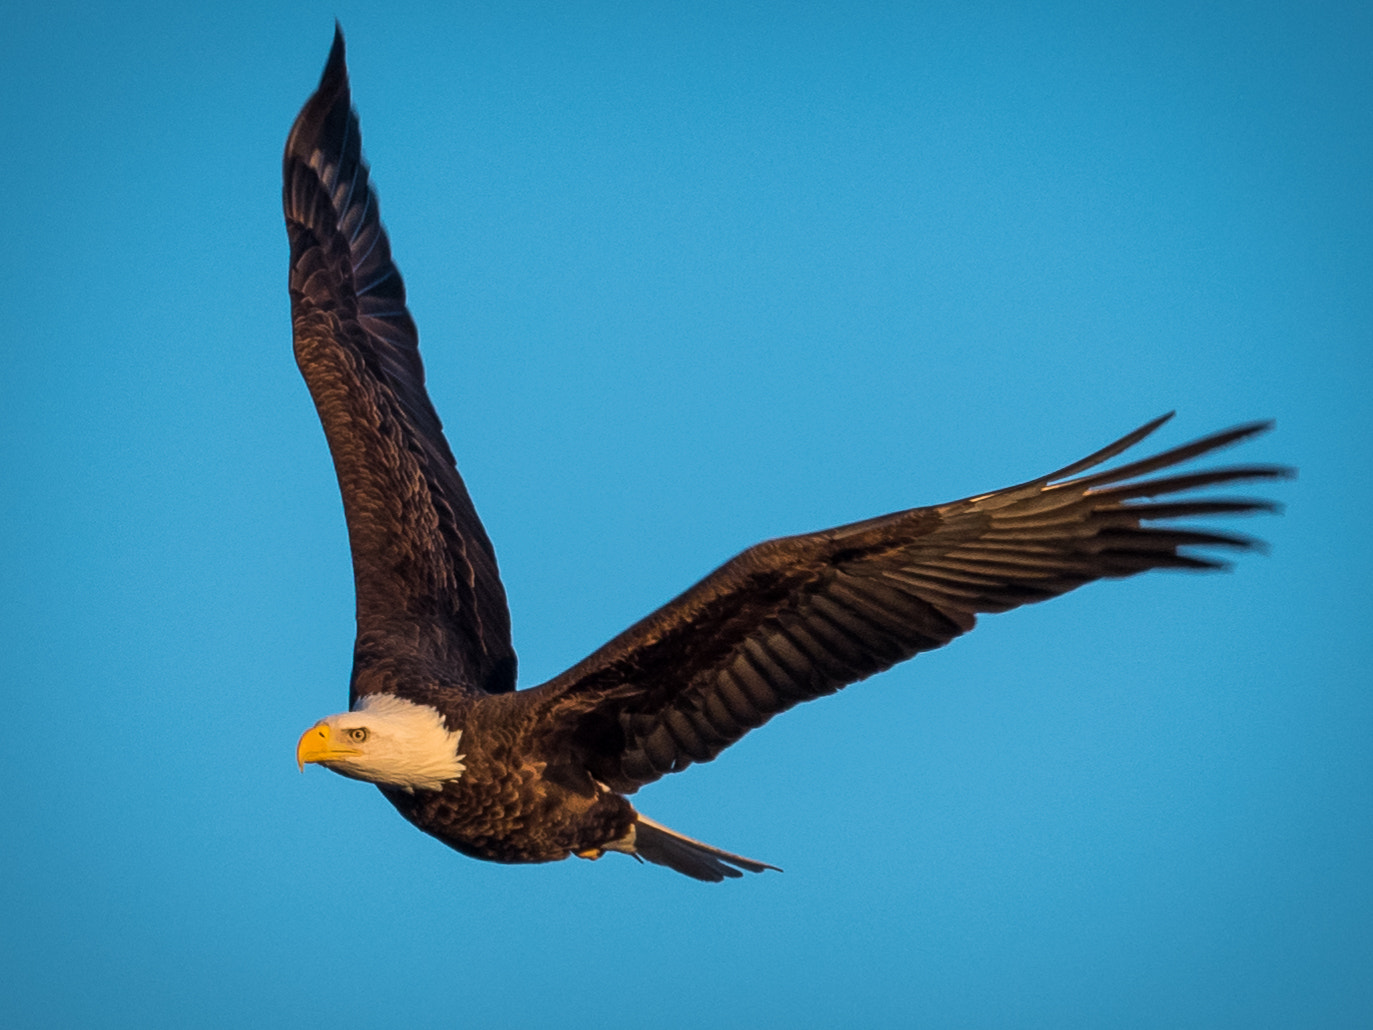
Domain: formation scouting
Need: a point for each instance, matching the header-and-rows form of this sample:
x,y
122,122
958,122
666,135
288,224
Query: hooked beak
x,y
317,744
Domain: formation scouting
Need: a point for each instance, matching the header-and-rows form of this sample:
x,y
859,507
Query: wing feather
x,y
796,618
429,598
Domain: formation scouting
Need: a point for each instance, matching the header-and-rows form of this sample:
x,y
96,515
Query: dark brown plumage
x,y
540,774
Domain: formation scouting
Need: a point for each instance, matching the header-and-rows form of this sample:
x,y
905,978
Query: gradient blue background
x,y
687,279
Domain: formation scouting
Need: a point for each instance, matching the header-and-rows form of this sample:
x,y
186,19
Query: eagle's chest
x,y
505,808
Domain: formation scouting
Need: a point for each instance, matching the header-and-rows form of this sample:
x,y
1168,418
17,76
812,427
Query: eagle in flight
x,y
537,775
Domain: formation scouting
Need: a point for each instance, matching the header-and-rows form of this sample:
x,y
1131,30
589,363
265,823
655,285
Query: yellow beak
x,y
317,745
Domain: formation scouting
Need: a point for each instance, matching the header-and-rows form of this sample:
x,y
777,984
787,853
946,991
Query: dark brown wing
x,y
795,618
429,595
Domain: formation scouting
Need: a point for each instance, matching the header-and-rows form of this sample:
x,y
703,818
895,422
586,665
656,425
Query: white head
x,y
388,740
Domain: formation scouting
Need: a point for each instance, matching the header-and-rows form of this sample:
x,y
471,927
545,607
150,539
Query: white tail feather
x,y
656,843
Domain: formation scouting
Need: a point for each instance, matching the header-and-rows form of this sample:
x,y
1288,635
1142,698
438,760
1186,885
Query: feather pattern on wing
x,y
799,617
430,604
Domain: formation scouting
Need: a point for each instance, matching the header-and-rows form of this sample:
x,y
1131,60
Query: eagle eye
x,y
357,735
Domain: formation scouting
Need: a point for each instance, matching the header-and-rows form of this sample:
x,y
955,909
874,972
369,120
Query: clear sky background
x,y
687,277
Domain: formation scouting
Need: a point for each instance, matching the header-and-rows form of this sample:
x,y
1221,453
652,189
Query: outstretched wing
x,y
429,596
795,618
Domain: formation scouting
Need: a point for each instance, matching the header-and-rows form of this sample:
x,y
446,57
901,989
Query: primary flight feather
x,y
538,775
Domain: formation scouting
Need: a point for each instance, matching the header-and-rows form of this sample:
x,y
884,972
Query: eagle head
x,y
388,740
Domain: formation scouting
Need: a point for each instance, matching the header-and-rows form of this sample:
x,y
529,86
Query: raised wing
x,y
795,618
429,596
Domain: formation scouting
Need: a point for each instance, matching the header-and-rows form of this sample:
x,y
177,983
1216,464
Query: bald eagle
x,y
538,775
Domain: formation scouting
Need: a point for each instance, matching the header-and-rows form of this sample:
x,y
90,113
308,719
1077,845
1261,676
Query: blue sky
x,y
687,278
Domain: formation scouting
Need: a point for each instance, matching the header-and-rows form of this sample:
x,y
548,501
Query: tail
x,y
661,846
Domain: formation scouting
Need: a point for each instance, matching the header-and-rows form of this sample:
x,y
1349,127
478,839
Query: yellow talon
x,y
591,854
